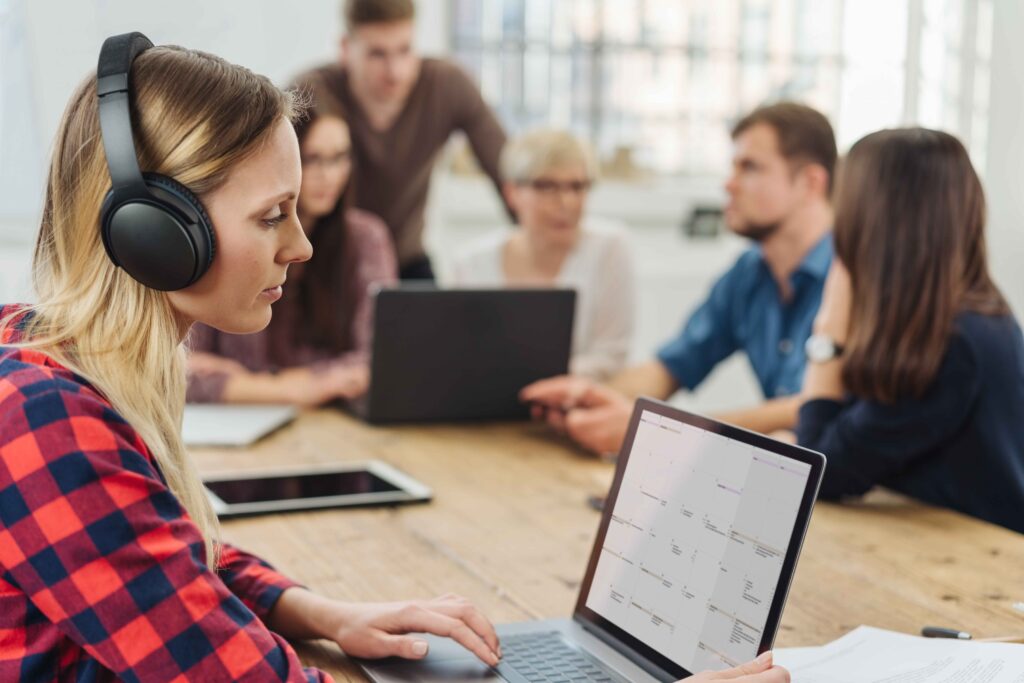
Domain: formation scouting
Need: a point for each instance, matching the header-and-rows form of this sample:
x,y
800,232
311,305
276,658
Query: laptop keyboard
x,y
547,657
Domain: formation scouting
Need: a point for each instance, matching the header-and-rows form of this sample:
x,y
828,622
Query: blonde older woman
x,y
547,177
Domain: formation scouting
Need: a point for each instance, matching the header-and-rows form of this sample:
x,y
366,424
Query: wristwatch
x,y
821,348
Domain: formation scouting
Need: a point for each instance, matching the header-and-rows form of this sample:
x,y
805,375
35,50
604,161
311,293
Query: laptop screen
x,y
696,542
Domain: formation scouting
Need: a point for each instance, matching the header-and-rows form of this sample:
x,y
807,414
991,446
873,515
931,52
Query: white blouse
x,y
599,268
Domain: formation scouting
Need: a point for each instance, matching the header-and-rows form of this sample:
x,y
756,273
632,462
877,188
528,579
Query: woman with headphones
x,y
110,563
317,346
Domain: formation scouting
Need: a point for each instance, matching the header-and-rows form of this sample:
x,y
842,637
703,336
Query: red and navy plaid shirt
x,y
103,575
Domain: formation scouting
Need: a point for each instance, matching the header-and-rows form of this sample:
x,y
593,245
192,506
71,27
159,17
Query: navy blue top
x,y
960,446
744,311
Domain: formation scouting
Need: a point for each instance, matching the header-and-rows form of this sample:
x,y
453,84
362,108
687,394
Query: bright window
x,y
661,80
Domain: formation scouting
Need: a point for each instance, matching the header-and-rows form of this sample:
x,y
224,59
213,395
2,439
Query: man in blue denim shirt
x,y
745,311
783,161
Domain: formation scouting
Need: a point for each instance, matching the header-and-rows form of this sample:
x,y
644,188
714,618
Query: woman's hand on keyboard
x,y
375,630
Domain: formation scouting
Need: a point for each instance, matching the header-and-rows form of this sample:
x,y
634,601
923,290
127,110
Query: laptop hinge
x,y
624,650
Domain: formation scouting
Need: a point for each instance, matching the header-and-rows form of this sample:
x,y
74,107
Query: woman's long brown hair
x,y
324,293
910,228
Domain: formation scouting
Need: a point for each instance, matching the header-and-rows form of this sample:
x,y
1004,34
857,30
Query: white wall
x,y
1005,174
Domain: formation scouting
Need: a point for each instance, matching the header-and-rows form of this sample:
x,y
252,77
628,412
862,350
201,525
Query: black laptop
x,y
463,354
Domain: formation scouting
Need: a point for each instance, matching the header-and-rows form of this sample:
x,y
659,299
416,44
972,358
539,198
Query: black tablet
x,y
353,484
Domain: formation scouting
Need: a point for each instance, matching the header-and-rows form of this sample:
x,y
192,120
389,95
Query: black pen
x,y
939,632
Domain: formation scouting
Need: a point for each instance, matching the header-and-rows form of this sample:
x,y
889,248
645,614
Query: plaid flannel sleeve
x,y
104,551
252,580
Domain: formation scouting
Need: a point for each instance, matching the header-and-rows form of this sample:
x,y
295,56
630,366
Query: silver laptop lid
x,y
699,541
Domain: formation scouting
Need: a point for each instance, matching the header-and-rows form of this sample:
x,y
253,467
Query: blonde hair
x,y
195,116
529,155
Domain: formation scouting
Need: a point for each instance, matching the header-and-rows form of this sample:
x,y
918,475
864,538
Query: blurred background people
x,y
548,175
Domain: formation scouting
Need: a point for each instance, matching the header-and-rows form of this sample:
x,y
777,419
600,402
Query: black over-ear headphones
x,y
152,226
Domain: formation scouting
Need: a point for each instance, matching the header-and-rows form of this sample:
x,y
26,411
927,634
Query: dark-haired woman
x,y
916,379
315,348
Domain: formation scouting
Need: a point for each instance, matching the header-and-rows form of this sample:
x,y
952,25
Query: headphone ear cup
x,y
204,237
164,238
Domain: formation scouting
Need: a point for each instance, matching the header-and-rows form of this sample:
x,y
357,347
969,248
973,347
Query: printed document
x,y
872,655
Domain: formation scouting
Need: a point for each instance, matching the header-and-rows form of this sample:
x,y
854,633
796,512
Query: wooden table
x,y
509,529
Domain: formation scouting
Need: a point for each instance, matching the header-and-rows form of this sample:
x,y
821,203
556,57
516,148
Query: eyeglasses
x,y
327,162
553,188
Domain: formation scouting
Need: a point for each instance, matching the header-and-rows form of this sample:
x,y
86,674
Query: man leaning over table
x,y
401,109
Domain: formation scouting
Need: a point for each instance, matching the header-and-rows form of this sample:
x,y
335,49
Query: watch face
x,y
820,348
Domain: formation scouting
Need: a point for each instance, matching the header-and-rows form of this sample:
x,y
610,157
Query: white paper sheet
x,y
872,655
211,424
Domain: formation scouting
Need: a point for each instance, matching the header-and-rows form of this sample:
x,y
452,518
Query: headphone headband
x,y
112,73
151,225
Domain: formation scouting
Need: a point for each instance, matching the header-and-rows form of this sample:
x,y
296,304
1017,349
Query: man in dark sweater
x,y
401,110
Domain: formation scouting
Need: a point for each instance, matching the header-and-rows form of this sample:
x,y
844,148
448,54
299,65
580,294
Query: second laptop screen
x,y
696,543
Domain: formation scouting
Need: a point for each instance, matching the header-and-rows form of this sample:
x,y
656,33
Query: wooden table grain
x,y
509,528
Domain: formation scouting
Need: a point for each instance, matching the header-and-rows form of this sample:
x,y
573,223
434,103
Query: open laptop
x,y
461,354
217,424
690,569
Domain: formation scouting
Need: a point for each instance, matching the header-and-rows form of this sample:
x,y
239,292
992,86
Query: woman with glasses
x,y
316,346
547,177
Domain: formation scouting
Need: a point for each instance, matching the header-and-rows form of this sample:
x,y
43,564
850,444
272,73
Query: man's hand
x,y
592,415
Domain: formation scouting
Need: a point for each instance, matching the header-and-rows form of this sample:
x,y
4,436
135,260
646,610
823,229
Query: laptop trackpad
x,y
447,661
